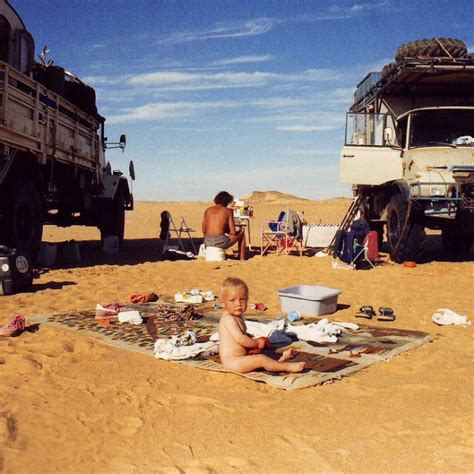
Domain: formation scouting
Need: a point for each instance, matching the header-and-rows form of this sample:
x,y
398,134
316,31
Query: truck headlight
x,y
437,191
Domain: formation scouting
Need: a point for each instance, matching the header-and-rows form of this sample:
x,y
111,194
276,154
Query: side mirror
x,y
388,136
122,141
131,170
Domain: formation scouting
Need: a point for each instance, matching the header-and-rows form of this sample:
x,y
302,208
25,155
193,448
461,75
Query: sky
x,y
232,95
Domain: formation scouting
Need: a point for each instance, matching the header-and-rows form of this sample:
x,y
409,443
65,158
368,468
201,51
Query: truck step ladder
x,y
348,219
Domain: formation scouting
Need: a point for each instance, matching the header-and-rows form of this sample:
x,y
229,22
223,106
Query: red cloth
x,y
372,241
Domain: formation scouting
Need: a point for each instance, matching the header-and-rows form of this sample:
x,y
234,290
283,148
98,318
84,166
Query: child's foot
x,y
295,366
286,355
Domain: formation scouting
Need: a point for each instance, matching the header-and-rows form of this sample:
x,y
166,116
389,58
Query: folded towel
x,y
132,317
183,346
322,331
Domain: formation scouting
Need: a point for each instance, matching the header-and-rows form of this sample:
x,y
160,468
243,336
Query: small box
x,y
47,254
309,300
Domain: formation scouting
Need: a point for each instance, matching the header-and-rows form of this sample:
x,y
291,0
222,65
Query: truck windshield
x,y
442,127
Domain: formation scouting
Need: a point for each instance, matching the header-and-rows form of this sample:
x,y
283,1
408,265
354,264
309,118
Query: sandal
x,y
366,312
386,314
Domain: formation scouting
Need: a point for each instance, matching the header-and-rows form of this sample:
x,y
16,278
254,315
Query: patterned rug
x,y
355,349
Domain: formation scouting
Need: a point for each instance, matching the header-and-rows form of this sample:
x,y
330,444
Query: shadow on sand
x,y
136,251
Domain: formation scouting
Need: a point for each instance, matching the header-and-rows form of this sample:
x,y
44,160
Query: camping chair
x,y
169,230
349,253
282,236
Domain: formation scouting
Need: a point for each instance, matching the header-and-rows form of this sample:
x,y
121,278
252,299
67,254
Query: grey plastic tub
x,y
309,300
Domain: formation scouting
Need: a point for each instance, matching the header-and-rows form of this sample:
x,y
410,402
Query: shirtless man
x,y
237,350
218,225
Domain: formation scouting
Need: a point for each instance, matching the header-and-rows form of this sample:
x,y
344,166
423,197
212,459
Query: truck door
x,y
371,154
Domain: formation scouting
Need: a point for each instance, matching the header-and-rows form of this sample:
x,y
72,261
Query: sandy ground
x,y
70,404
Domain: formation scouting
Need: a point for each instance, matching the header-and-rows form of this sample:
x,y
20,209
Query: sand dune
x,y
70,404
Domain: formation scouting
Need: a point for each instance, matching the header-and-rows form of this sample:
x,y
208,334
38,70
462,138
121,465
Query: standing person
x,y
237,350
218,225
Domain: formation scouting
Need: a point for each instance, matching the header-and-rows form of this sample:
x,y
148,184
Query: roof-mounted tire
x,y
433,48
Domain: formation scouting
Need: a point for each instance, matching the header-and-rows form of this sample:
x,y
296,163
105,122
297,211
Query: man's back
x,y
217,220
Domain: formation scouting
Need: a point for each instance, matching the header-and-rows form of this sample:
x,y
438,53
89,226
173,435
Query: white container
x,y
111,245
214,254
309,300
47,254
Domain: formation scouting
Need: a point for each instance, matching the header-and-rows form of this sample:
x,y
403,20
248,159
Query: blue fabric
x,y
275,226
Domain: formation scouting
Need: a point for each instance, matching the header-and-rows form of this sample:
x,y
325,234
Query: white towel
x,y
445,316
274,330
164,349
132,317
322,331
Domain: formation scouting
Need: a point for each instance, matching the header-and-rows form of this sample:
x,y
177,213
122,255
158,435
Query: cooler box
x,y
309,300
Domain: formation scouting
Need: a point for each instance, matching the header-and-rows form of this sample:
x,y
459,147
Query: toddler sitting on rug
x,y
238,351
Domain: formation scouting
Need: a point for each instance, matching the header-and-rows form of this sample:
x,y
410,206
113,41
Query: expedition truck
x,y
409,147
52,143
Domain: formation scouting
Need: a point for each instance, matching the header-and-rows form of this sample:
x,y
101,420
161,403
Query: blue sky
x,y
232,95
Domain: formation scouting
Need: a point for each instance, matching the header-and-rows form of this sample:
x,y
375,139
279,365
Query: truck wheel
x,y
410,245
456,240
23,216
113,218
431,48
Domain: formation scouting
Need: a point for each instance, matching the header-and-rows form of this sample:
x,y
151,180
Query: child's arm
x,y
241,338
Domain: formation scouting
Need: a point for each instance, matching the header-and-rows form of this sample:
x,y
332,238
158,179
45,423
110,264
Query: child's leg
x,y
248,363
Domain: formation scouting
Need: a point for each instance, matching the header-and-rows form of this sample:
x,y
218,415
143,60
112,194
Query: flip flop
x,y
366,312
386,314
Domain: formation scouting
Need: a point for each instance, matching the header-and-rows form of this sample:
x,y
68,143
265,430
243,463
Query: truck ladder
x,y
348,218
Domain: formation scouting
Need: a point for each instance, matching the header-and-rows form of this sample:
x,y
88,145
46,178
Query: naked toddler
x,y
235,344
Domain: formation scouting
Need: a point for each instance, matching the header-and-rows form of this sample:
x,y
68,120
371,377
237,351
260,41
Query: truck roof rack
x,y
423,75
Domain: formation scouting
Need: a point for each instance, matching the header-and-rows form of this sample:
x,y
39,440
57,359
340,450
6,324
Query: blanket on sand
x,y
354,350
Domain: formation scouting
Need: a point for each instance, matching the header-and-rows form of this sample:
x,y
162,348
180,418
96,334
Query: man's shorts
x,y
219,241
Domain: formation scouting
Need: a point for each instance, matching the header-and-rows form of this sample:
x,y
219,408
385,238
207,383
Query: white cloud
x,y
305,128
257,26
244,60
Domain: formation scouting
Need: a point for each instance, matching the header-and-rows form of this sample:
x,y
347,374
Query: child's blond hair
x,y
231,282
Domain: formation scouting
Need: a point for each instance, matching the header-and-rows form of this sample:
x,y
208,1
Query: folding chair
x,y
276,235
168,227
349,253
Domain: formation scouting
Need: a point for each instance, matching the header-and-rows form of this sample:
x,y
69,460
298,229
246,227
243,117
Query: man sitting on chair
x,y
218,225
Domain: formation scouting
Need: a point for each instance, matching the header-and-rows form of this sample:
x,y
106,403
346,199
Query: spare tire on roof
x,y
432,48
388,68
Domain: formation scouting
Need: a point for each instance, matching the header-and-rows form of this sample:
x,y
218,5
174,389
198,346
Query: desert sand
x,y
71,404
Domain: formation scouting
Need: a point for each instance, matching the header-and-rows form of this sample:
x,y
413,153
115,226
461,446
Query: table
x,y
243,222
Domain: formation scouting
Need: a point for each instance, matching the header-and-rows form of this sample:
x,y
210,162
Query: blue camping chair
x,y
275,237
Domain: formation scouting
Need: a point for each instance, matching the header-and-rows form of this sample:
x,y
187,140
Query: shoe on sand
x,y
14,328
386,314
366,312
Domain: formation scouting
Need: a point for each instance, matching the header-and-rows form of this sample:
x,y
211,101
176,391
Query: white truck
x,y
409,147
52,143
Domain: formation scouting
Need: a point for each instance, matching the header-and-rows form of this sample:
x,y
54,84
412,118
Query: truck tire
x,y
23,214
410,245
457,240
431,48
113,218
